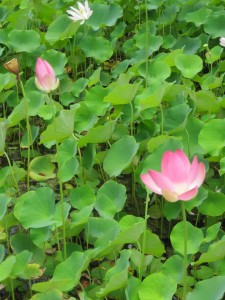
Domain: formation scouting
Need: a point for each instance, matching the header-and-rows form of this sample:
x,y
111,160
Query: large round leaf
x,y
116,277
120,155
62,129
4,200
157,287
35,209
122,94
66,274
68,169
60,29
6,267
212,136
104,15
24,40
110,199
189,65
194,238
96,47
157,71
209,289
99,134
213,205
215,25
199,16
82,196
53,294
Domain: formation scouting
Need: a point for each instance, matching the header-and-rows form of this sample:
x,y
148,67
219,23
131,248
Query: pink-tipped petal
x,y
43,68
147,180
182,156
193,171
161,180
201,175
189,195
179,179
45,76
175,166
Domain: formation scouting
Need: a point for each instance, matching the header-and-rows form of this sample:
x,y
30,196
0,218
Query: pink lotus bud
x,y
45,79
179,179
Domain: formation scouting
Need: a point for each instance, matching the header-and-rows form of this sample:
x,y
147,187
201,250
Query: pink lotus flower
x,y
45,79
179,179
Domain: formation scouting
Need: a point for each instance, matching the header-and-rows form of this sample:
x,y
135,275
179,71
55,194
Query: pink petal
x,y
45,76
147,180
193,171
201,174
161,180
189,195
175,166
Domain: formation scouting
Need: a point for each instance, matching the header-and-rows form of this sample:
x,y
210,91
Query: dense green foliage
x,y
136,79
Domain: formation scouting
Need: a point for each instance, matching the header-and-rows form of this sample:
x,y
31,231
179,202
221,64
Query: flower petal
x,y
201,174
175,165
161,180
193,171
170,196
147,180
189,194
222,41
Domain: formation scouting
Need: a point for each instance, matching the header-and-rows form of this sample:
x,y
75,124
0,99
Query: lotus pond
x,y
112,149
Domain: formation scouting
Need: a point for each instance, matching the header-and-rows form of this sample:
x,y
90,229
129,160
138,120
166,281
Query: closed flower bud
x,y
45,79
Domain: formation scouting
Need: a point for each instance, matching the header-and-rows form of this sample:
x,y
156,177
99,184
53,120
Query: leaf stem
x,y
185,250
60,182
28,134
144,237
12,172
146,45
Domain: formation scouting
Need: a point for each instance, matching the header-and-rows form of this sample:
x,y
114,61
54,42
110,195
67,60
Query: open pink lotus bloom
x,y
179,179
45,79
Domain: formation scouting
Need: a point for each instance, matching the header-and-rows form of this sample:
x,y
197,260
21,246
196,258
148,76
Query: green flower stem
x,y
131,119
80,159
144,237
60,182
185,250
147,44
134,199
12,289
162,120
28,134
7,234
12,173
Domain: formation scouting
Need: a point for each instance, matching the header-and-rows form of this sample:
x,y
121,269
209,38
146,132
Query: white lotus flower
x,y
83,13
222,41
